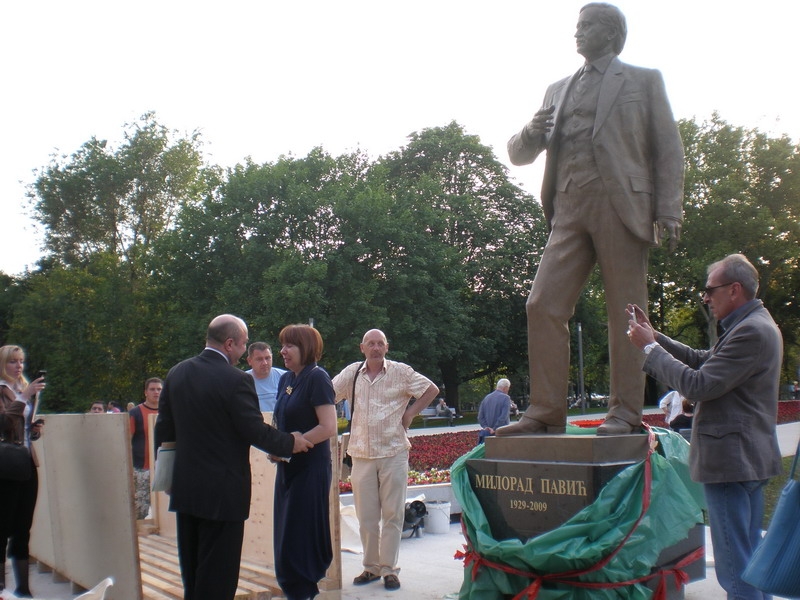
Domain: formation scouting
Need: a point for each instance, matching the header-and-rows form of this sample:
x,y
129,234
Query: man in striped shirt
x,y
382,412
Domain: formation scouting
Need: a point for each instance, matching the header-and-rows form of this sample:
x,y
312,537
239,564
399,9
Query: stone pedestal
x,y
530,484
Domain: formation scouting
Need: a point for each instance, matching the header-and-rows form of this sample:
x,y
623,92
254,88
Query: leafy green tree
x,y
120,200
742,194
456,283
431,243
268,247
90,312
80,324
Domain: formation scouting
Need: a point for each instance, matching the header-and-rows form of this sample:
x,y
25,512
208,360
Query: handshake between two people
x,y
640,331
301,444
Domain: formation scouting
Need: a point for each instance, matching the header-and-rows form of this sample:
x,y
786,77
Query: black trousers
x,y
17,503
209,553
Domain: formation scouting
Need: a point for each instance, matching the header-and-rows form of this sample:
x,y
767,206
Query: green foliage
x,y
91,316
432,243
742,195
85,327
118,201
473,243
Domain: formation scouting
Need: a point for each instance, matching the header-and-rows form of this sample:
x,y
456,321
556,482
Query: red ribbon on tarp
x,y
474,560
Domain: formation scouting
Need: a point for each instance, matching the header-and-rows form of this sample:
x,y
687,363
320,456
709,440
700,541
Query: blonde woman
x,y
17,498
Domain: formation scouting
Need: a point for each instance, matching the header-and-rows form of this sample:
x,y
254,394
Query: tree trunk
x,y
450,384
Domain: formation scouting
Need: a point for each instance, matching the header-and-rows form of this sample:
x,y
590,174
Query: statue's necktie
x,y
583,80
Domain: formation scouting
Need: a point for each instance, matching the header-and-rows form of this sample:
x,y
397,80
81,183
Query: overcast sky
x,y
262,78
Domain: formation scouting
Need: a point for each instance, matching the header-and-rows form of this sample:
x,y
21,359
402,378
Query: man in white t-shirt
x,y
265,376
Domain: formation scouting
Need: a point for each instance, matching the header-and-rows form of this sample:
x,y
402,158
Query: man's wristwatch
x,y
647,349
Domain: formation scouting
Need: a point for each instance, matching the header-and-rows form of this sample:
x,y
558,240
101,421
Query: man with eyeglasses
x,y
735,387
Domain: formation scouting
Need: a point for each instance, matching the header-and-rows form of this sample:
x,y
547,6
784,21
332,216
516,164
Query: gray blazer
x,y
636,144
735,386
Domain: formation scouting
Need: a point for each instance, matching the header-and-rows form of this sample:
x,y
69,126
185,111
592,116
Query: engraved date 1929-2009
x,y
530,505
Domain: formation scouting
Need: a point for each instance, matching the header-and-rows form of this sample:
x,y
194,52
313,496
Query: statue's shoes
x,y
614,426
526,425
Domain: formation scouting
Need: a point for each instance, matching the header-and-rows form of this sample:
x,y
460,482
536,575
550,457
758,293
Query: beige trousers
x,y
379,495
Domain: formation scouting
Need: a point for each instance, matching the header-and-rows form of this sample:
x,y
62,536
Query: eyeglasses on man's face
x,y
708,291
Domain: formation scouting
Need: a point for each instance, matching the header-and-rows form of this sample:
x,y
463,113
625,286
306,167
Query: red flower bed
x,y
587,424
440,451
656,420
788,411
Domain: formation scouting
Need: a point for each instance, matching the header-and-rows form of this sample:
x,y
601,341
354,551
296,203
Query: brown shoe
x,y
526,425
391,582
614,426
366,577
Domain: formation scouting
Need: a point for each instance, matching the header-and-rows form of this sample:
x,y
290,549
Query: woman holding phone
x,y
17,498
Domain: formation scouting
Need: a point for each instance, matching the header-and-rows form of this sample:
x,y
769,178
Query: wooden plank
x,y
161,576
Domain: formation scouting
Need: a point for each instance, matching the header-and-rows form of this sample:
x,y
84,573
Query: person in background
x,y
140,444
18,498
442,410
684,419
302,531
114,408
495,410
266,377
735,387
209,408
97,408
382,414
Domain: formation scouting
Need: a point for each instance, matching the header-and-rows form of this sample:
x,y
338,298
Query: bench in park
x,y
430,414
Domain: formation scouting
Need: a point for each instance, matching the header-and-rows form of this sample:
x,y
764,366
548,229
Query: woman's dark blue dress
x,y
302,537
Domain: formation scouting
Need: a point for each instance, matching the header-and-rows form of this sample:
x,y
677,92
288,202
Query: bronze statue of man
x,y
612,187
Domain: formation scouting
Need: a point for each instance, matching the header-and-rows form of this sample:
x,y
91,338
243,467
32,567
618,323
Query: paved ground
x,y
429,571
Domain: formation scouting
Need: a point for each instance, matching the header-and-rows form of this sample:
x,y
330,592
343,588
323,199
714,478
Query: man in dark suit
x,y
613,186
735,388
210,410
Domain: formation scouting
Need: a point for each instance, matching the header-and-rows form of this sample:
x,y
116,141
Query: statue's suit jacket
x,y
210,410
636,145
735,386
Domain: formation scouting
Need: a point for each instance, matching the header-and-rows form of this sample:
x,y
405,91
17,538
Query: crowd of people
x,y
613,187
212,410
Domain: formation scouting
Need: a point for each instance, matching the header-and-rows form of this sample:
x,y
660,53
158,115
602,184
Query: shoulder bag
x,y
346,437
773,567
165,466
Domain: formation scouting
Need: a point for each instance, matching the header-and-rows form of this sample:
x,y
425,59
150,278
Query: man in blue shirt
x,y
265,376
495,409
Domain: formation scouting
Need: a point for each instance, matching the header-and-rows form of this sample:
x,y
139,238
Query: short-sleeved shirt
x,y
267,388
376,429
672,401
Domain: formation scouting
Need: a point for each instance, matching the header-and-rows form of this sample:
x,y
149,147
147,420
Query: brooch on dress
x,y
289,390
